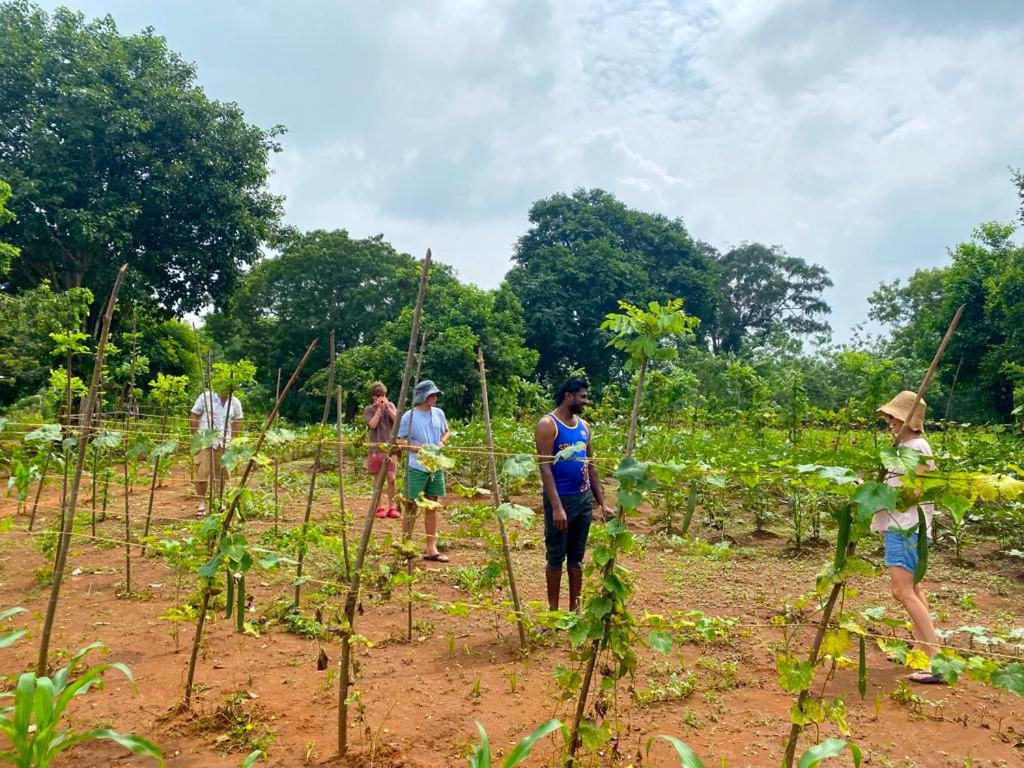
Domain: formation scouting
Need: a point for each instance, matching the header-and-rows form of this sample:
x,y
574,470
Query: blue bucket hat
x,y
423,390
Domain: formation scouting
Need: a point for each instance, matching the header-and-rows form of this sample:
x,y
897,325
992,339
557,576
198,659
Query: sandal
x,y
440,557
381,513
394,514
926,678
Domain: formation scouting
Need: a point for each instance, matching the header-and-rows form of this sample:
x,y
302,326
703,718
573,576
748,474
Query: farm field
x,y
736,590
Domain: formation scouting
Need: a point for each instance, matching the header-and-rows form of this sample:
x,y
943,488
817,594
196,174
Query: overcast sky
x,y
865,136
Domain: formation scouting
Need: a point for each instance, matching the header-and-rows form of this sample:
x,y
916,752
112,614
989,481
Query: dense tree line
x,y
110,151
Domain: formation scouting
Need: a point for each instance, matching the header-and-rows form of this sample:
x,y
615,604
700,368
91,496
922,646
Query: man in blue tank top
x,y
571,486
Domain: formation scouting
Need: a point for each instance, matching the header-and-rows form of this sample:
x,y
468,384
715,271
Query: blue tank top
x,y
571,476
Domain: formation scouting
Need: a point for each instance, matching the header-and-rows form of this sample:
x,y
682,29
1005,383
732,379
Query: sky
x,y
867,136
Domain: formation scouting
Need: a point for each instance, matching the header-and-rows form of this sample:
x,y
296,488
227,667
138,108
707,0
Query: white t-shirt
x,y
213,413
885,519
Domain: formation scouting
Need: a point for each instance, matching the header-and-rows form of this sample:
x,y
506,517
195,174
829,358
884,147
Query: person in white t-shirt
x,y
212,410
900,529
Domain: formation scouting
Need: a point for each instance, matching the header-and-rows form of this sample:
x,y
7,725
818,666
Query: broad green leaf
x,y
660,641
432,459
470,493
516,467
510,512
794,676
592,736
948,666
1010,678
873,496
47,433
902,460
569,452
835,643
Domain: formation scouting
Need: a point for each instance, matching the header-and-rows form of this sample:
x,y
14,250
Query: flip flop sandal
x,y
438,558
381,513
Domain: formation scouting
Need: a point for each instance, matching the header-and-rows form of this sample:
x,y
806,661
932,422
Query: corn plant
x,y
481,757
33,724
809,759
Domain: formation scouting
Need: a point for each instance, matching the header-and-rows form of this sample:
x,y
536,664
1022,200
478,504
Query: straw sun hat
x,y
899,408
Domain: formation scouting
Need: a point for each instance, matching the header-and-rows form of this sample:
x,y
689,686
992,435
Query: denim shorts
x,y
571,543
901,550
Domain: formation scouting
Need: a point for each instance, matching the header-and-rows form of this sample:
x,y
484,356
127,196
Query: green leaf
x,y
517,467
948,666
129,741
902,460
8,612
432,459
12,637
251,759
470,493
794,676
660,641
825,750
522,749
687,757
510,512
481,756
204,438
835,643
873,496
1010,678
593,736
47,433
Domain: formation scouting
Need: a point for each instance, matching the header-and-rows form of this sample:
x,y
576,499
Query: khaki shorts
x,y
203,470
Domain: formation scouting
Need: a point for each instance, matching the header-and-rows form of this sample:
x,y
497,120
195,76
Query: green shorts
x,y
427,483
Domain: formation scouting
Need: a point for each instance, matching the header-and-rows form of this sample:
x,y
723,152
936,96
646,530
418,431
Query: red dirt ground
x,y
422,698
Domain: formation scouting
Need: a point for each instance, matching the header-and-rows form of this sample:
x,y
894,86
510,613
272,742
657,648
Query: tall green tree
x,y
986,275
764,289
8,252
116,154
582,254
26,321
457,318
321,281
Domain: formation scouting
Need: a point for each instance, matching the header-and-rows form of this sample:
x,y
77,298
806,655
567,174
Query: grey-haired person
x,y
425,424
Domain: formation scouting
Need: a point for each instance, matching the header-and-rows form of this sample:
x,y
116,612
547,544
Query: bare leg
x,y
201,493
391,491
906,592
554,582
575,586
430,526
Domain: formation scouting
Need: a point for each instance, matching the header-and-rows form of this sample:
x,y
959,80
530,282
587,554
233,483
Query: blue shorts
x,y
571,543
901,550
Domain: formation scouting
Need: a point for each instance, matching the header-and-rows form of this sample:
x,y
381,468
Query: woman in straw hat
x,y
900,528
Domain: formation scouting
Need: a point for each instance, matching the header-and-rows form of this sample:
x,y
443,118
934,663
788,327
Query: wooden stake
x,y
87,414
364,539
341,485
315,472
496,495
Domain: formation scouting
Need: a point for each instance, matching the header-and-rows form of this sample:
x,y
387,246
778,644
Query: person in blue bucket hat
x,y
425,424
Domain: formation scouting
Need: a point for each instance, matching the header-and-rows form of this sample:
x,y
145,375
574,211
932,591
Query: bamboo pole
x,y
277,466
409,524
225,526
364,539
315,472
826,614
496,494
341,484
64,544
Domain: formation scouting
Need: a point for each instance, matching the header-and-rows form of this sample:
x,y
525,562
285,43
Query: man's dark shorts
x,y
571,543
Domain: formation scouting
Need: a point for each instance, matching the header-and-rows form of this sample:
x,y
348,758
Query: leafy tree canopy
x,y
986,275
115,154
764,288
586,251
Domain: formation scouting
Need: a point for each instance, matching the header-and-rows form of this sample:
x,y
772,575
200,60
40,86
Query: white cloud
x,y
865,136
